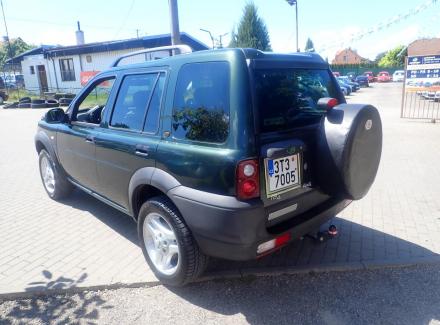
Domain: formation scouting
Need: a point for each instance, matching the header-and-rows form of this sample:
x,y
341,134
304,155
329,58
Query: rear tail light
x,y
248,180
327,103
273,243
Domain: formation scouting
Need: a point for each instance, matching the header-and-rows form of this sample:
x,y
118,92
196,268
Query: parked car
x,y
370,76
346,89
362,81
398,76
383,76
208,170
354,85
351,76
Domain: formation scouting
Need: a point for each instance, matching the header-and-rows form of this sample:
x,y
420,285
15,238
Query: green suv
x,y
229,153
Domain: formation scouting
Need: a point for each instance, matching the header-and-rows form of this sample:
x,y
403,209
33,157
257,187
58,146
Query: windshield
x,y
287,98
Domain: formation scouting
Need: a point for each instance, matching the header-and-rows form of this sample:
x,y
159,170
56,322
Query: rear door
x,y
288,119
131,134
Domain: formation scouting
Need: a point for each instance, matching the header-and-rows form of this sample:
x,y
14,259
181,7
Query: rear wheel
x,y
167,243
56,185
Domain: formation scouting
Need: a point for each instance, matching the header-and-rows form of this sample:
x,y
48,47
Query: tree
x,y
309,46
394,57
18,46
252,31
379,57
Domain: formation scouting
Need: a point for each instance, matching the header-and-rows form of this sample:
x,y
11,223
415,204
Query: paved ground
x,y
385,296
82,242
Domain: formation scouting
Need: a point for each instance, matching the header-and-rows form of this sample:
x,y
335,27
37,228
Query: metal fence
x,y
422,103
359,69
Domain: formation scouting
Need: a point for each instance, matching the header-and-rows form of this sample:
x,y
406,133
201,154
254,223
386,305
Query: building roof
x,y
35,51
133,43
425,46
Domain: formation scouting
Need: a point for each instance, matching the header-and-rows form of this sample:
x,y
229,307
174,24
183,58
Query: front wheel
x,y
56,185
167,243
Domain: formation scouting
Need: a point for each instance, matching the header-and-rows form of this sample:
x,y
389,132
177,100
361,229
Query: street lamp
x,y
220,43
295,3
210,35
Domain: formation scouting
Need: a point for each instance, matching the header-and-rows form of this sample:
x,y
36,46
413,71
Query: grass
x,y
15,95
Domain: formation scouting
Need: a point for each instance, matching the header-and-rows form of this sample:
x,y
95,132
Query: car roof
x,y
307,58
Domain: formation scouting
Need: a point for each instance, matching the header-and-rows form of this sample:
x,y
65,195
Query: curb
x,y
237,274
73,290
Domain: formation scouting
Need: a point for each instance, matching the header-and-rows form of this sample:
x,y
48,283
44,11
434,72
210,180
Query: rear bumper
x,y
227,228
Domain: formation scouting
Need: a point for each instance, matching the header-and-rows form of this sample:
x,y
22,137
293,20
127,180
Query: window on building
x,y
88,58
32,69
345,58
201,102
133,100
67,70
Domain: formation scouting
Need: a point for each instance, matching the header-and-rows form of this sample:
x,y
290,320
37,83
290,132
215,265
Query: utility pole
x,y
137,33
7,33
295,3
174,16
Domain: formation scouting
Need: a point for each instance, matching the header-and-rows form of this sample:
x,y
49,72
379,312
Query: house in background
x,y
68,68
426,46
348,56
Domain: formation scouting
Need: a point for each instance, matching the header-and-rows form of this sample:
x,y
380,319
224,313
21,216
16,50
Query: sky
x,y
331,25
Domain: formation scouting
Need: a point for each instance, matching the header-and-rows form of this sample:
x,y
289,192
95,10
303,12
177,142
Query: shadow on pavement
x,y
62,309
118,221
354,243
383,296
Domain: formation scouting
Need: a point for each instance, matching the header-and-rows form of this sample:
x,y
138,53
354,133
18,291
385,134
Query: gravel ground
x,y
382,296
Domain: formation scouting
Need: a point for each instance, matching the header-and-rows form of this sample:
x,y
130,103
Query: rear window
x,y
287,98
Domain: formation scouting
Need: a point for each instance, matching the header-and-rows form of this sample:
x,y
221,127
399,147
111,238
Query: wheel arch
x,y
146,183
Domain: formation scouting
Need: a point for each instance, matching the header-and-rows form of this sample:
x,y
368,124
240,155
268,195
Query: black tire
x,y
65,101
52,105
192,261
38,101
42,105
24,100
11,105
62,186
349,148
24,105
59,95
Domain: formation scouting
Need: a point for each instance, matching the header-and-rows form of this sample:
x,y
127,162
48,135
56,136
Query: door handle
x,y
90,139
141,150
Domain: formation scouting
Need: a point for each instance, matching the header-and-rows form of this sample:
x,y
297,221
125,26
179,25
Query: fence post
x,y
403,88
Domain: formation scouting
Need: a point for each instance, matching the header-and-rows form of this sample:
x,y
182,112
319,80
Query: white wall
x,y
99,62
31,81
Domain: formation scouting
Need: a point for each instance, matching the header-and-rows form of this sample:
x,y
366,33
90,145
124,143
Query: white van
x,y
398,75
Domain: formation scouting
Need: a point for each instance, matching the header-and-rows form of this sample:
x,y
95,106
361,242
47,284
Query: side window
x,y
132,102
91,108
152,120
201,102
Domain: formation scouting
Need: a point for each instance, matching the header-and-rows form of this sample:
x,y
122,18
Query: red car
x,y
383,76
370,76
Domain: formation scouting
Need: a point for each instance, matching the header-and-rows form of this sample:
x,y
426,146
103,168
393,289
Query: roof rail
x,y
182,49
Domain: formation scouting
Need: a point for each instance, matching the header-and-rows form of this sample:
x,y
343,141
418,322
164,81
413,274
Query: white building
x,y
67,68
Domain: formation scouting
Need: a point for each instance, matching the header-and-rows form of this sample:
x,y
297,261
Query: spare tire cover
x,y
349,147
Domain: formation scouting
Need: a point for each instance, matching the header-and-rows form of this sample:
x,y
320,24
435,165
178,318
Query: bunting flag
x,y
378,27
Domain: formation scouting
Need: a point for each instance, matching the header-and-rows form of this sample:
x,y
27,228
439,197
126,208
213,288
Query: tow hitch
x,y
321,236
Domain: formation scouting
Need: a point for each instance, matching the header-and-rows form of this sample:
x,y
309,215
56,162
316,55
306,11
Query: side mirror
x,y
55,115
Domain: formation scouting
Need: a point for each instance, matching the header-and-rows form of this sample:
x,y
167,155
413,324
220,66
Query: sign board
x,y
421,91
85,76
423,71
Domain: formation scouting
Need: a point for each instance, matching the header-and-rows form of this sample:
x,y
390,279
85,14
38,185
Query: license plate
x,y
282,174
